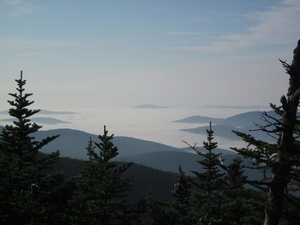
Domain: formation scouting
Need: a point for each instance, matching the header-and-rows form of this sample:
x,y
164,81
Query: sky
x,y
124,53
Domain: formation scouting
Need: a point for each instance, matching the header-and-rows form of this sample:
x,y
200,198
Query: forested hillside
x,y
146,180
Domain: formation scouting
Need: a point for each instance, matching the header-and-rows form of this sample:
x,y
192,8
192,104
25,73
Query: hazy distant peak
x,y
56,112
234,107
150,106
199,119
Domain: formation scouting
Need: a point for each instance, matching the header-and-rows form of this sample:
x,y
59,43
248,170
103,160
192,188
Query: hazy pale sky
x,y
76,53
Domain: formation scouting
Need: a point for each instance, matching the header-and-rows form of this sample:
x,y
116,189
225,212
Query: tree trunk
x,y
276,194
286,143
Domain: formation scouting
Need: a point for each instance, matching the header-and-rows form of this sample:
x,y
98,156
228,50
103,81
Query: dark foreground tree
x,y
182,193
28,192
176,211
220,195
243,205
99,198
160,211
210,182
279,161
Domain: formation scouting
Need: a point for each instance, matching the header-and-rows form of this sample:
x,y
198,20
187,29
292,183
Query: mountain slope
x,y
72,143
170,161
145,179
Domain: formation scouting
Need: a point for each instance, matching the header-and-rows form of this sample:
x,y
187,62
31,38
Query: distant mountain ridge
x,y
234,107
72,143
150,106
244,122
238,120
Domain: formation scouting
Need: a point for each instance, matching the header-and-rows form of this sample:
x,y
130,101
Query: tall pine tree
x,y
182,192
209,182
27,190
243,205
99,198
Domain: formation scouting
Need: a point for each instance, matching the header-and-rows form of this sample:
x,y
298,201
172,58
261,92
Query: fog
x,y
148,124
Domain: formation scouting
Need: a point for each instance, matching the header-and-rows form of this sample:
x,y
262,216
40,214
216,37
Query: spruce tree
x,y
161,211
176,211
210,181
99,198
26,185
243,205
182,192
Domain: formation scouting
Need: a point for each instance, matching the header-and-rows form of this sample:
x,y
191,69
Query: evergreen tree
x,y
243,205
183,209
210,182
182,191
99,198
161,211
26,185
176,211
